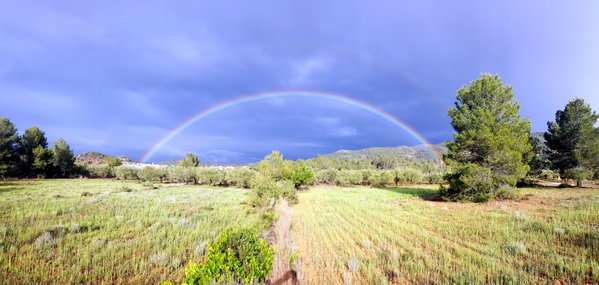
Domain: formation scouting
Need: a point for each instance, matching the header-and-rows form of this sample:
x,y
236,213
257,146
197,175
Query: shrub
x,y
382,178
112,161
125,173
101,171
368,176
237,256
182,174
348,177
301,174
470,182
327,176
151,174
240,176
412,176
210,176
578,175
264,188
433,178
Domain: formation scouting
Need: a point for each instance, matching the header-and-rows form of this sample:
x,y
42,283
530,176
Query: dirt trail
x,y
280,232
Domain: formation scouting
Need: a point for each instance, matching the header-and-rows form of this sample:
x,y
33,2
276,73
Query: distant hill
x,y
418,152
92,158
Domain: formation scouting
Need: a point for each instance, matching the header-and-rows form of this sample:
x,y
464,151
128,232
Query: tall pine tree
x,y
491,149
573,138
8,147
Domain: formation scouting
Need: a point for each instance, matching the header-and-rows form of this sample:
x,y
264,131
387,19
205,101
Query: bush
x,y
412,176
151,174
368,176
549,174
240,177
348,177
578,175
237,256
182,174
382,178
265,188
210,176
125,173
327,176
101,171
433,178
301,174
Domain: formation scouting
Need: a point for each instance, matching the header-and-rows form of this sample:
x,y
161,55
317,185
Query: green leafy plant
x,y
237,256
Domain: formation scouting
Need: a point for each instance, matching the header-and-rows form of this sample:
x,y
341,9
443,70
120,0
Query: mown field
x,y
109,232
379,236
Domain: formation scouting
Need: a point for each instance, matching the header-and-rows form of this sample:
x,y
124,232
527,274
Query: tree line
x,y
28,155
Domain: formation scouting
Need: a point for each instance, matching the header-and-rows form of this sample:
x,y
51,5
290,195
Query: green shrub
x,y
326,176
368,176
469,182
151,174
237,256
210,176
433,178
412,176
301,174
578,174
265,188
382,178
125,173
183,174
240,176
349,177
101,171
112,161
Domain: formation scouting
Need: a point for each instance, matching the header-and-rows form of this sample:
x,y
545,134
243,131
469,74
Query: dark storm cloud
x,y
117,77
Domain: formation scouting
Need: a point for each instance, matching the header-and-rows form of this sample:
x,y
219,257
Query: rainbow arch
x,y
282,94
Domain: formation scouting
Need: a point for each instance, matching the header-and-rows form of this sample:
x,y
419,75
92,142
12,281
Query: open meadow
x,y
110,232
395,235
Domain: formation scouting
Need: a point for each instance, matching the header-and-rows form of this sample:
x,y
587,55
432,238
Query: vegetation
x,y
8,147
395,235
237,256
120,232
491,147
190,160
573,141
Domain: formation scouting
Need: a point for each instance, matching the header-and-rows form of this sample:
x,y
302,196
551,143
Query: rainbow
x,y
289,93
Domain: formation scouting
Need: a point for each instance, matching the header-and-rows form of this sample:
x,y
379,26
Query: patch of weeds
x,y
347,278
186,223
353,265
85,194
516,247
366,244
159,259
45,239
100,242
200,249
559,231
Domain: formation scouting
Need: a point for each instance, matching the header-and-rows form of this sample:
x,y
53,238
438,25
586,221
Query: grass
x,y
395,235
102,231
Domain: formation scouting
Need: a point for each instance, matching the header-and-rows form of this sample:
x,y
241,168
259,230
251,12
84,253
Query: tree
x,y
62,160
112,161
491,147
190,160
301,174
42,160
32,139
8,147
572,137
275,167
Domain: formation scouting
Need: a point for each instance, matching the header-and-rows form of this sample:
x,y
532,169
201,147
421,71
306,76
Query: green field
x,y
376,236
105,231
102,231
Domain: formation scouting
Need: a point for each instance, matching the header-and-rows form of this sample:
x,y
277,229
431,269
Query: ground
x,y
102,231
394,235
105,231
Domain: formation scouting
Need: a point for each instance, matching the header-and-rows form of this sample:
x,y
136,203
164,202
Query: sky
x,y
118,76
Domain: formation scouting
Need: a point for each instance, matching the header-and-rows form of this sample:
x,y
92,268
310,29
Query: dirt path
x,y
284,272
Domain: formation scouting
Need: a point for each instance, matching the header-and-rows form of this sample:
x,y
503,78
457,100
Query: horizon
x,y
118,78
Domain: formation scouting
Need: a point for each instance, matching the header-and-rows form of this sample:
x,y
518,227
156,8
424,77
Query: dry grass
x,y
379,236
109,232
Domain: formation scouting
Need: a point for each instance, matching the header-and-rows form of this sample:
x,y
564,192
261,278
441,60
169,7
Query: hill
x,y
418,152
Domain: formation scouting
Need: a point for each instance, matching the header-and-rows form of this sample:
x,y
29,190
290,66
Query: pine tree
x,y
492,147
190,160
62,160
31,139
8,147
573,138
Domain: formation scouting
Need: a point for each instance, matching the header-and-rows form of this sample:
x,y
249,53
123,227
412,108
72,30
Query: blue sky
x,y
115,77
